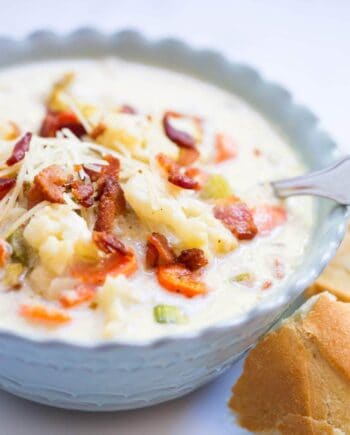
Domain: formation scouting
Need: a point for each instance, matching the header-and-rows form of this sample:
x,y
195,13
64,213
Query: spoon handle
x,y
332,182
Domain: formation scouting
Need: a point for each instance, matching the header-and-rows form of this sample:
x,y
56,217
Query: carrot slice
x,y
4,252
226,148
177,278
96,273
41,314
82,293
268,217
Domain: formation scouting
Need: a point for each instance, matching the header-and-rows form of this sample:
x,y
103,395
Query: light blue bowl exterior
x,y
118,376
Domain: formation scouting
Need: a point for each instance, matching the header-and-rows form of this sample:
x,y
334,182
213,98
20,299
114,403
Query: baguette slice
x,y
336,277
297,379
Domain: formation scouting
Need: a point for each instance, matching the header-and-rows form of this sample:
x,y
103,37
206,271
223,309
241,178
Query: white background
x,y
304,45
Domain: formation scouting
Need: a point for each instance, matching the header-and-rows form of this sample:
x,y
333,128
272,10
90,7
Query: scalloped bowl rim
x,y
279,301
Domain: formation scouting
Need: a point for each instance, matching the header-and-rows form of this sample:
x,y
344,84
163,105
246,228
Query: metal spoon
x,y
332,182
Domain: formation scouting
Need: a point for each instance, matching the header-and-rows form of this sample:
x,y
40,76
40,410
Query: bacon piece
x,y
111,204
238,219
93,171
108,242
268,217
181,138
175,175
19,150
55,121
187,156
82,293
158,251
6,184
126,108
183,181
83,193
226,148
198,175
113,167
178,279
48,185
42,314
96,273
193,259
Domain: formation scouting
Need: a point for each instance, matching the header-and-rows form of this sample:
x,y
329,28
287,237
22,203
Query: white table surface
x,y
302,44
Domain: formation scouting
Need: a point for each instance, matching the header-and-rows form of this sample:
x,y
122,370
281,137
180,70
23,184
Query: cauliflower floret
x,y
53,232
113,298
190,220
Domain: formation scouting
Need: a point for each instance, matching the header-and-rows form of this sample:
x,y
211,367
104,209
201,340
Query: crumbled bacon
x,y
49,185
112,168
181,138
238,219
83,193
111,204
193,259
19,150
93,171
187,156
198,175
108,242
183,181
176,174
6,184
55,121
158,251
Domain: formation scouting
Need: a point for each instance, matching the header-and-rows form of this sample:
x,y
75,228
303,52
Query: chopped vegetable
x,y
95,273
268,217
226,148
168,314
245,278
82,293
4,252
216,187
178,279
266,285
55,101
21,252
45,315
14,274
19,150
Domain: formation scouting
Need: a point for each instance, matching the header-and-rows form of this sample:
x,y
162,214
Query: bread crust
x,y
297,379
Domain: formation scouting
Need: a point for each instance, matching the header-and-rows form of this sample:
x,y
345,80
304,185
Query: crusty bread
x,y
336,277
297,379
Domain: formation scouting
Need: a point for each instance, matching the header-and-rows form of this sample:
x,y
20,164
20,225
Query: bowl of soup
x,y
142,249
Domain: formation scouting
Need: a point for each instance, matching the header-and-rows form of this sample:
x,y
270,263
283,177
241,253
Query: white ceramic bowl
x,y
123,376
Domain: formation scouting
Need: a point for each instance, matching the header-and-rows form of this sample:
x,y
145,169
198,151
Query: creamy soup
x,y
135,203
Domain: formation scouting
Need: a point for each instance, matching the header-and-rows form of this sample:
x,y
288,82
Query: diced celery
x,y
13,275
245,278
168,314
20,249
216,187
